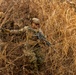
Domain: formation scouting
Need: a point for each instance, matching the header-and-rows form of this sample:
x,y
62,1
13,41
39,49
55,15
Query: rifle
x,y
41,37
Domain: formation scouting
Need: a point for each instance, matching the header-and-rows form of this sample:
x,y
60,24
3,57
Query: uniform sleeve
x,y
19,31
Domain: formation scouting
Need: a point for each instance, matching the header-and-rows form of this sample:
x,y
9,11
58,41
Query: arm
x,y
14,31
19,31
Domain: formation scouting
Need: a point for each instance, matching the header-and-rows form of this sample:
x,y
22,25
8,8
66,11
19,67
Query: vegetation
x,y
58,22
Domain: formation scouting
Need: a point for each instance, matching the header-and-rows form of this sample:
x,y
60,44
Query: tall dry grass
x,y
58,22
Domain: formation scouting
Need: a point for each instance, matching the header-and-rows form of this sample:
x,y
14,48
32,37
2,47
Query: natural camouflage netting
x,y
58,22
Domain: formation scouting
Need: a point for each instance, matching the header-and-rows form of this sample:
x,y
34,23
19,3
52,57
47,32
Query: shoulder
x,y
30,29
26,27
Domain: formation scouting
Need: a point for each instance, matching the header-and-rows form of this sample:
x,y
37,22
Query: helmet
x,y
35,20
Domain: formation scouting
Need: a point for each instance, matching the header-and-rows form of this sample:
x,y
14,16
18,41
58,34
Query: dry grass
x,y
58,21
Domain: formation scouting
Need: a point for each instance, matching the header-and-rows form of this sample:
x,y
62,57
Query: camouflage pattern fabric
x,y
33,49
33,44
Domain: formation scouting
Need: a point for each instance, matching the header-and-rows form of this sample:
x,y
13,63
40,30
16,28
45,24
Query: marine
x,y
34,39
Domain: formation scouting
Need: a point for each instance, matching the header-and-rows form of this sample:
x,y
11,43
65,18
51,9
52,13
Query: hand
x,y
5,30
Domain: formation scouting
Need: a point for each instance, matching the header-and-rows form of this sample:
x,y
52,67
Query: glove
x,y
5,30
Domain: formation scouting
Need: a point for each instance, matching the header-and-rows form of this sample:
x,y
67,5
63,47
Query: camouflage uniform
x,y
32,46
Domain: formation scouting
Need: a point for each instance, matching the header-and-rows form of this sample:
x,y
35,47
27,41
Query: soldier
x,y
34,36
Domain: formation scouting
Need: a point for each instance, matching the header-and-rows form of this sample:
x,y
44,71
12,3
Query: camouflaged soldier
x,y
33,48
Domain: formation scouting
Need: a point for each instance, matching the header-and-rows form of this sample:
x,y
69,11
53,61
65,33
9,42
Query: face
x,y
35,26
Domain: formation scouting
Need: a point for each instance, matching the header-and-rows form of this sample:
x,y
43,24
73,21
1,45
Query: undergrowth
x,y
58,22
